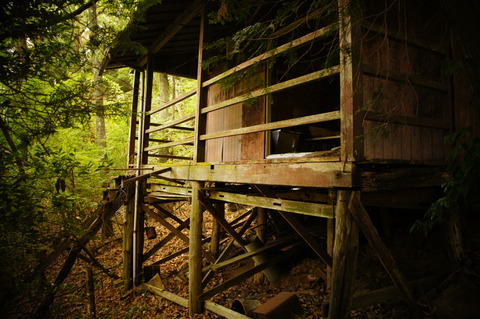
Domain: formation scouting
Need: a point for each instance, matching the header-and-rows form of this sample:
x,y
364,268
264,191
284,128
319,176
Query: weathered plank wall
x,y
241,147
407,93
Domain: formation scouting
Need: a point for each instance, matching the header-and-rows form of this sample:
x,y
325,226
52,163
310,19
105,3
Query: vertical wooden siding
x,y
407,96
241,147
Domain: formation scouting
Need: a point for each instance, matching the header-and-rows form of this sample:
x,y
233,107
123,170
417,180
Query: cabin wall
x,y
407,95
241,147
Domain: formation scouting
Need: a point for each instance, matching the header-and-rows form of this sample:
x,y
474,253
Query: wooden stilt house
x,y
345,106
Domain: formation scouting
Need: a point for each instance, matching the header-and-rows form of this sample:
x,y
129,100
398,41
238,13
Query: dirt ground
x,y
454,295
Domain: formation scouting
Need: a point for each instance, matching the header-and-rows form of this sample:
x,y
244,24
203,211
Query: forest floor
x,y
454,295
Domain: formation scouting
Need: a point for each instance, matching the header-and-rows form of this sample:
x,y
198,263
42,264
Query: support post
x,y
345,252
332,194
138,237
195,255
217,230
200,119
262,236
350,82
133,120
330,241
128,239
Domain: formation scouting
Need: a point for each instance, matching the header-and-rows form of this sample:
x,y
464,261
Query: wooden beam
x,y
186,141
209,305
247,273
178,253
180,22
390,293
305,208
344,259
223,311
165,240
358,212
309,239
172,123
178,190
387,178
221,219
276,244
166,213
306,174
167,295
314,76
325,31
145,176
174,101
406,79
311,119
229,246
217,230
177,233
127,243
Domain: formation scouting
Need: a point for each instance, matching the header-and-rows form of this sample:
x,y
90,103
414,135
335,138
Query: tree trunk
x,y
98,87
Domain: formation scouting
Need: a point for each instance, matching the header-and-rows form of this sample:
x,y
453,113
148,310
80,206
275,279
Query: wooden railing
x,y
305,120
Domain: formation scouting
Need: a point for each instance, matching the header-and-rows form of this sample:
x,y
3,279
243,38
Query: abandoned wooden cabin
x,y
345,109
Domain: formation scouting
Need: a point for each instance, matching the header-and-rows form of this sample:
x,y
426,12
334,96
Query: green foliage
x,y
51,171
461,191
264,25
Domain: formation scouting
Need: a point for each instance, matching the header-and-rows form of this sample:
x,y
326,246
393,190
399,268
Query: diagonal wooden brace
x,y
364,222
221,220
178,233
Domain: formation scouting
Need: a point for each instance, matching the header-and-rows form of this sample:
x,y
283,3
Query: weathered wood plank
x,y
246,274
402,178
165,240
303,232
305,208
182,20
406,120
177,233
221,219
171,124
287,46
174,101
186,141
313,174
167,295
223,311
276,244
406,78
391,293
311,119
274,88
